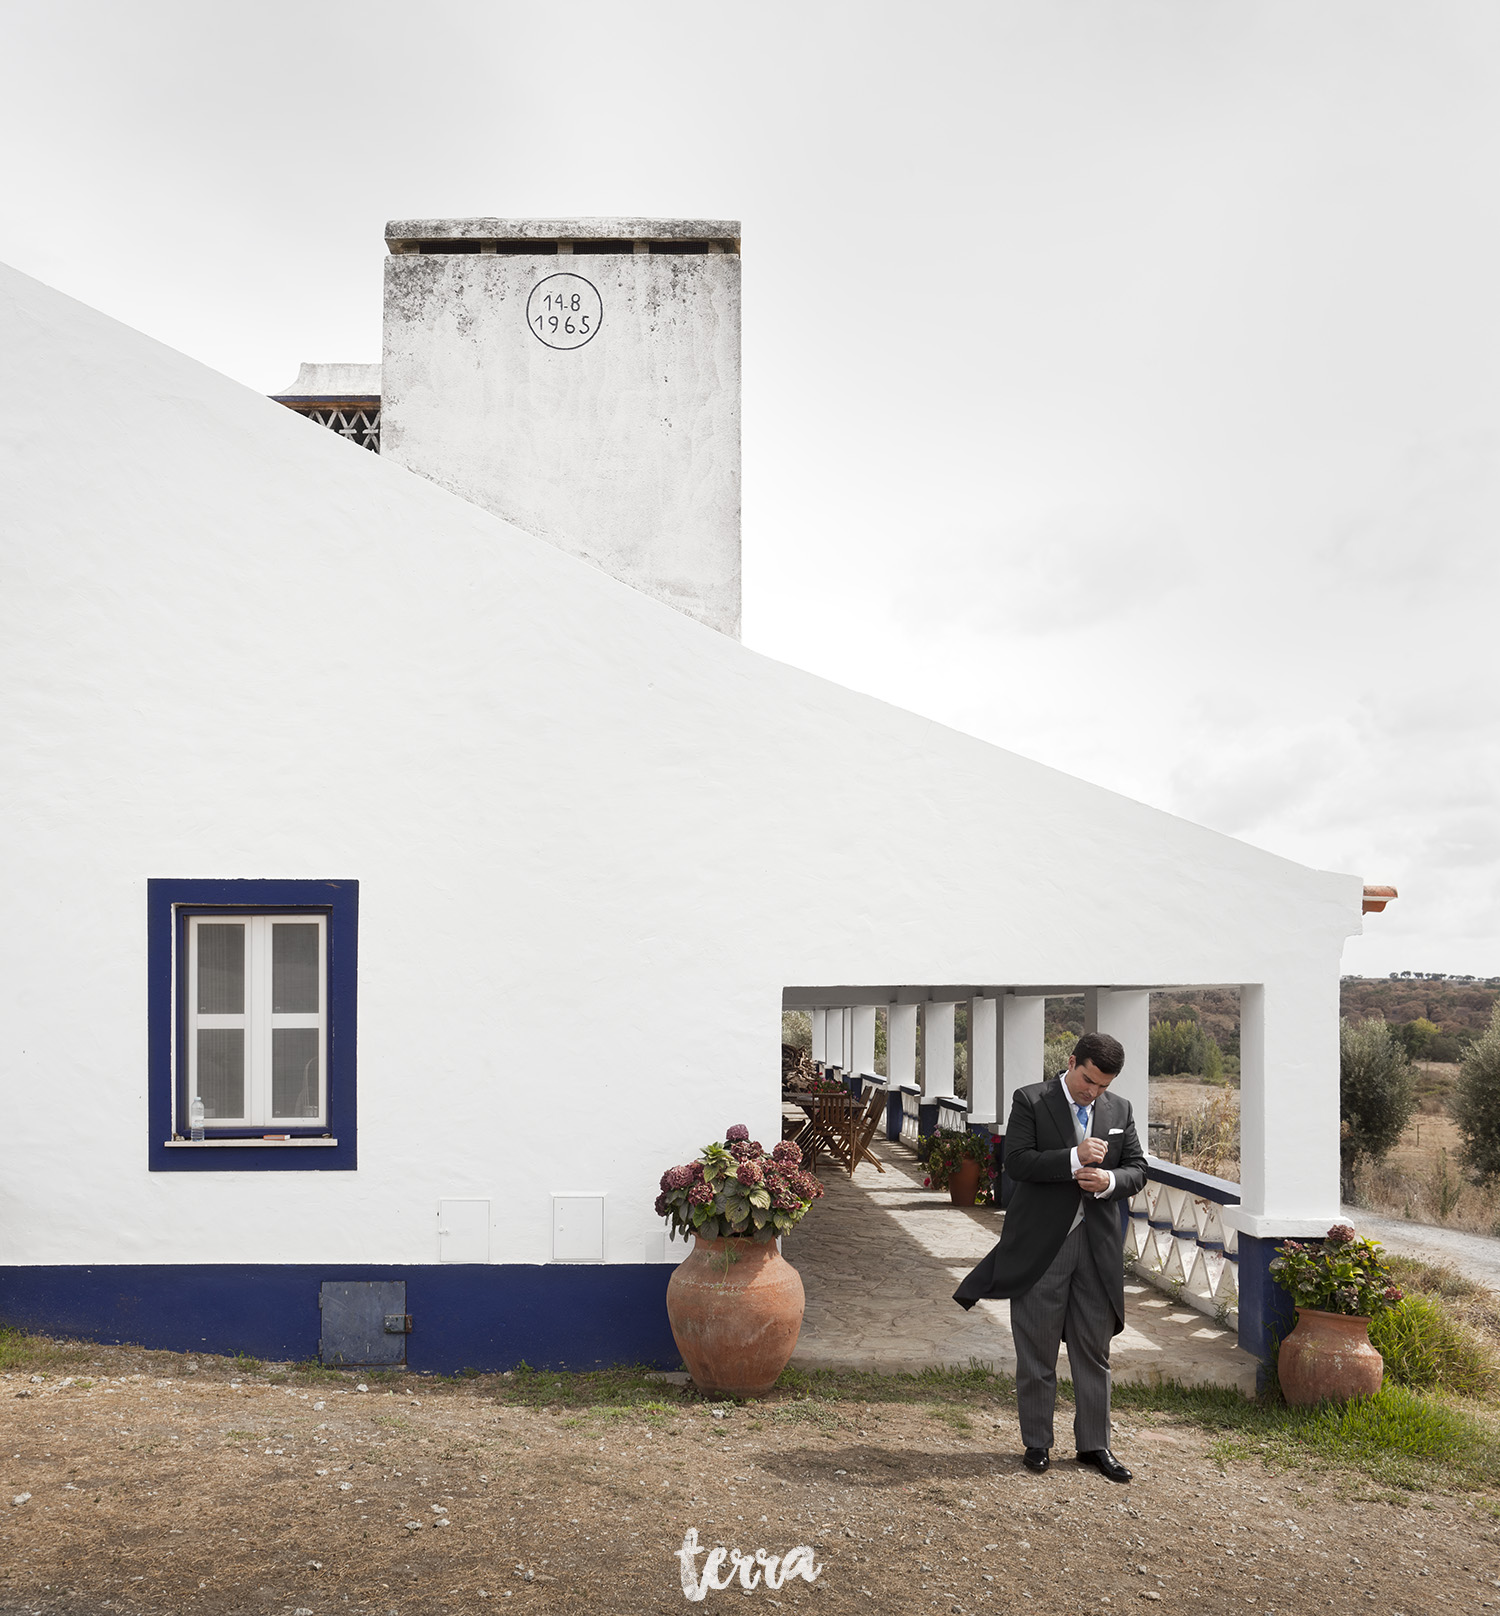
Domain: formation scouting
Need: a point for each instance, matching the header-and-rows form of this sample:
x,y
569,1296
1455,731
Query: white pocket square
x,y
1117,1130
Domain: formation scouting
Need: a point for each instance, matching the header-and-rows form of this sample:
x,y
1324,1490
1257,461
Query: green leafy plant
x,y
1343,1274
736,1190
947,1148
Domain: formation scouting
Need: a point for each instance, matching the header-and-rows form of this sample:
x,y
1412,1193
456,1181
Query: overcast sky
x,y
1122,377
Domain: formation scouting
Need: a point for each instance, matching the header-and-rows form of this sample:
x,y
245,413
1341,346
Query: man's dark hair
x,y
1106,1053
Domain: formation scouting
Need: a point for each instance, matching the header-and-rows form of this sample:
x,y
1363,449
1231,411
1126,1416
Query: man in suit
x,y
1072,1152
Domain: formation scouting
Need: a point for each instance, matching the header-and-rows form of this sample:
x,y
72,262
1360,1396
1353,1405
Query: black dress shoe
x,y
1106,1464
1036,1460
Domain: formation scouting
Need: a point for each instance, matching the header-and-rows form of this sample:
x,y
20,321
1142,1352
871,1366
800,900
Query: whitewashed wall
x,y
233,645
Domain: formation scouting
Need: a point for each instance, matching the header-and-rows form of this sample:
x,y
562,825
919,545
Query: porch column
x,y
900,1060
819,1033
1020,1037
937,1048
862,1053
845,1038
983,1060
1289,1135
1126,1016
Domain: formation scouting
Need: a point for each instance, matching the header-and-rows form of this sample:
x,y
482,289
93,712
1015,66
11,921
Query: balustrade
x,y
1177,1239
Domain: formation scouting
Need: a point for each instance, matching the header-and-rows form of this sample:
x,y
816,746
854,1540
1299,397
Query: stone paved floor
x,y
880,1256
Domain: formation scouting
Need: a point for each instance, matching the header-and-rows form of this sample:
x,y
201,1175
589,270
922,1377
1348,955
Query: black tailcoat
x,y
1039,1141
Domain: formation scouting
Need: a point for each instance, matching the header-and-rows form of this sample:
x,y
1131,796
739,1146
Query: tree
x,y
1416,1037
1377,1093
1184,1046
1476,1101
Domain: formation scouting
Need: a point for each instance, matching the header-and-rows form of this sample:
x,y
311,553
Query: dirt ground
x,y
143,1483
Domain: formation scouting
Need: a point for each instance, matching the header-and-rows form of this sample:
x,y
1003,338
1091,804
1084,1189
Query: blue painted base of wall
x,y
1266,1312
894,1115
483,1316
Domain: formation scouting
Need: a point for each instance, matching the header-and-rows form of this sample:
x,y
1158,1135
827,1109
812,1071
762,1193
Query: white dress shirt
x,y
1073,1160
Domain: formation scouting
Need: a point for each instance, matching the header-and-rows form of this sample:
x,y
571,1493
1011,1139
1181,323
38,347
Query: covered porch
x,y
1195,1239
880,1255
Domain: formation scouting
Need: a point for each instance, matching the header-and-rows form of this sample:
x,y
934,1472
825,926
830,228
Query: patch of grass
x,y
809,1411
241,1436
241,1364
628,1389
309,1370
952,1414
924,1386
34,1353
1427,1348
1396,1439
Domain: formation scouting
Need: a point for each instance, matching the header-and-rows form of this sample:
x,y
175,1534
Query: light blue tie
x,y
1083,1117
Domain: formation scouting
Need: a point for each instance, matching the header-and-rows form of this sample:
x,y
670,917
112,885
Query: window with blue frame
x,y
252,1038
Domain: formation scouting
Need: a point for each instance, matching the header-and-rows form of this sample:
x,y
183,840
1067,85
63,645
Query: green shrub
x,y
1427,1349
1476,1101
1184,1046
1377,1093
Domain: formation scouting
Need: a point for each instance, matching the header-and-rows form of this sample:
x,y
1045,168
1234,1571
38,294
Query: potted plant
x,y
1338,1286
735,1304
961,1164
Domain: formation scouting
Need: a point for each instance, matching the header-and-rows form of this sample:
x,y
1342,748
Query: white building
x,y
473,874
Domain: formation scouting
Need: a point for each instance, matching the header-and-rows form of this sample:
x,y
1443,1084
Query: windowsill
x,y
241,1144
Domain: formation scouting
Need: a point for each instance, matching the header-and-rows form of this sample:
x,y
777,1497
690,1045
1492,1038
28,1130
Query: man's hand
x,y
1090,1179
1092,1151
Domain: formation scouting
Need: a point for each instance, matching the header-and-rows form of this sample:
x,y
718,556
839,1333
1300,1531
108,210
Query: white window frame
x,y
258,1020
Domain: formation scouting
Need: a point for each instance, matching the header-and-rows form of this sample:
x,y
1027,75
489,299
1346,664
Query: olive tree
x,y
1476,1101
1377,1093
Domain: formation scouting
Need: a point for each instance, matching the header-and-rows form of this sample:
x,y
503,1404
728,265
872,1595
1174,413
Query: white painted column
x,y
1126,1016
819,1034
862,1053
901,1044
983,1060
937,1048
1021,1036
1289,1069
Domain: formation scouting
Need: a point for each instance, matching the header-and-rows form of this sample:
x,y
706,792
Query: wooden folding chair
x,y
867,1118
830,1127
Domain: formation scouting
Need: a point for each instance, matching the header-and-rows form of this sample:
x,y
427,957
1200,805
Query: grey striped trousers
x,y
1069,1295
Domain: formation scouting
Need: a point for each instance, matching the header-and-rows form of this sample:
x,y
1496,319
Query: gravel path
x,y
1476,1256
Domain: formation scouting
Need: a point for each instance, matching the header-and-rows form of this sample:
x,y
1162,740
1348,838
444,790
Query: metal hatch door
x,y
364,1322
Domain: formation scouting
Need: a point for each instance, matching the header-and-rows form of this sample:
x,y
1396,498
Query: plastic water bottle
x,y
195,1118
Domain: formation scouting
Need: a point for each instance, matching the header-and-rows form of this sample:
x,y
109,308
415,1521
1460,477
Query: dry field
x,y
143,1483
1421,1178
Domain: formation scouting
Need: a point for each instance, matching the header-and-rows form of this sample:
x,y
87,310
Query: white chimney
x,y
580,378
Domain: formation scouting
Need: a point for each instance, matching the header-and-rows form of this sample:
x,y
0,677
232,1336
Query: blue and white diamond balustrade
x,y
1177,1239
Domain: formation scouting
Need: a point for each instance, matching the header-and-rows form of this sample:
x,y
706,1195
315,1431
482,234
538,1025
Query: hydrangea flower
x,y
749,1172
738,1131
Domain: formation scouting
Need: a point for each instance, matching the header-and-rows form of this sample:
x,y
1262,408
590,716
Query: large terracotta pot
x,y
963,1182
1328,1355
736,1309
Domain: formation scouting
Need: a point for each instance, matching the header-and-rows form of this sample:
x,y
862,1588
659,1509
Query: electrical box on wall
x,y
577,1227
463,1231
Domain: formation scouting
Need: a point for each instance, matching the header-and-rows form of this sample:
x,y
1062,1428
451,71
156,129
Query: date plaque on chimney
x,y
564,311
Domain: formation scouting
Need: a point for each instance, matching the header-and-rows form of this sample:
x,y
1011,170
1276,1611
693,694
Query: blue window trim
x,y
168,902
